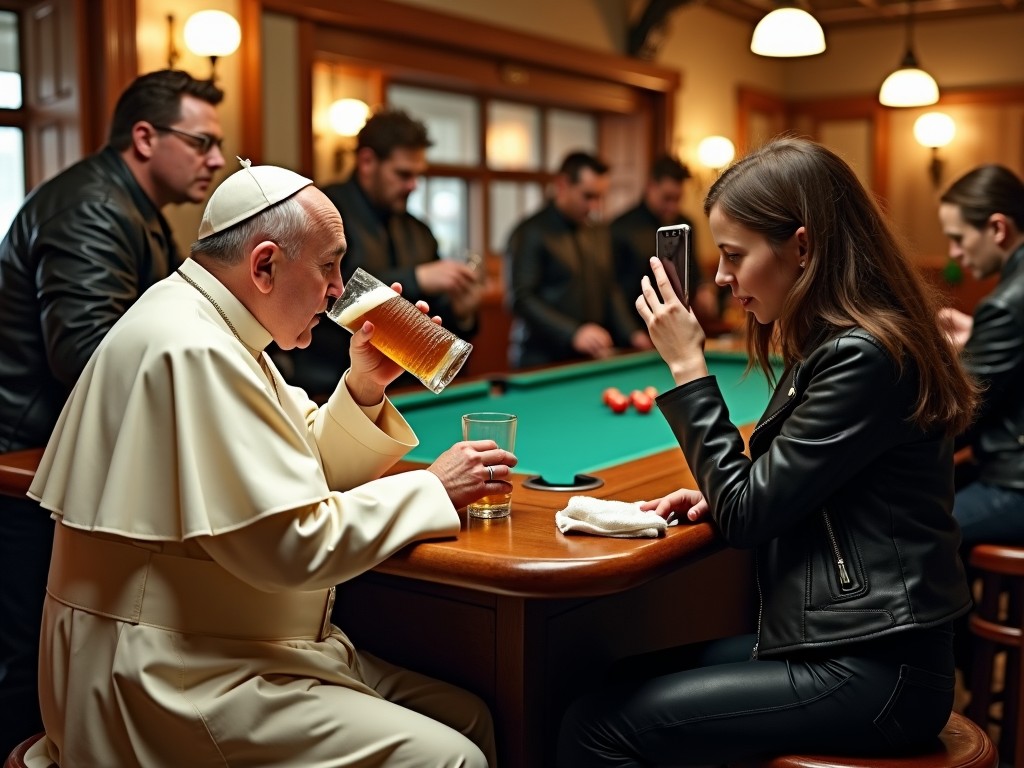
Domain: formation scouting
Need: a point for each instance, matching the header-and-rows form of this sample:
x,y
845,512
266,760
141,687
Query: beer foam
x,y
360,306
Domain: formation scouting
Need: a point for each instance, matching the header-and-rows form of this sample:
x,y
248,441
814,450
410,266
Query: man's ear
x,y
143,137
1000,227
366,160
264,260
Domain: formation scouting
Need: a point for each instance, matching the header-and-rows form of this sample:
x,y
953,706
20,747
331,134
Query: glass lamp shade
x,y
715,152
909,86
212,33
788,32
347,116
934,129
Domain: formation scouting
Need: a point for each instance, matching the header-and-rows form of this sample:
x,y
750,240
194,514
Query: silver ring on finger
x,y
490,474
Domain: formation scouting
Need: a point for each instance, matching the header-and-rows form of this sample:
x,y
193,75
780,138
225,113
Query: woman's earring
x,y
803,264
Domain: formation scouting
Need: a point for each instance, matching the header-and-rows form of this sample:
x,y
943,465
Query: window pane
x,y
441,202
569,132
10,76
452,121
12,171
511,202
513,137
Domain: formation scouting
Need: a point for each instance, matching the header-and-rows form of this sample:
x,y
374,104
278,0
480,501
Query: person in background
x,y
633,236
84,246
390,243
205,510
562,287
845,495
982,214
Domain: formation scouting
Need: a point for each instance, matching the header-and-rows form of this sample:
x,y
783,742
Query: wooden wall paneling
x,y
455,33
53,130
432,65
251,21
307,37
113,23
759,116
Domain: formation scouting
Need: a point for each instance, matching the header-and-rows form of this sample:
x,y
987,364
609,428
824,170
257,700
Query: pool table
x,y
564,428
514,610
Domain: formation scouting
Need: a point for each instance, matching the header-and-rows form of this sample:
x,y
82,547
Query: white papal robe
x,y
205,508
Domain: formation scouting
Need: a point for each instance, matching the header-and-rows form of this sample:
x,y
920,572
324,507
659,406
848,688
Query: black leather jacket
x,y
994,354
847,503
560,275
81,250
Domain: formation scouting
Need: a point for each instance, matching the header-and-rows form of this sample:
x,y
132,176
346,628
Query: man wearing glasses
x,y
84,246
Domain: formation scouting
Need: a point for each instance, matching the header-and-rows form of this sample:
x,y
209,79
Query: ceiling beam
x,y
648,33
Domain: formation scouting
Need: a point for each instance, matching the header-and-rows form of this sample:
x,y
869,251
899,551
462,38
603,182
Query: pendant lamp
x,y
788,32
909,86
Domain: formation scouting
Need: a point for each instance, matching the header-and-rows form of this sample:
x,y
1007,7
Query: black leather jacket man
x,y
83,249
561,275
847,503
994,354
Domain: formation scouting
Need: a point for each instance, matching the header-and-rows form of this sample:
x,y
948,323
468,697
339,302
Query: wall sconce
x,y
934,130
715,152
207,33
346,118
788,32
909,85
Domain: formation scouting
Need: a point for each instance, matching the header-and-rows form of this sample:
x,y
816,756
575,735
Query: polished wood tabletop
x,y
521,554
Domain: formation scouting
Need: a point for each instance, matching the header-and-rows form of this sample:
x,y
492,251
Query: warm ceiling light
x,y
787,32
715,152
347,116
909,86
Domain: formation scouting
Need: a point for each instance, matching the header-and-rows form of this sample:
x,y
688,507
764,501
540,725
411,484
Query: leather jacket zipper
x,y
778,413
837,553
757,573
760,607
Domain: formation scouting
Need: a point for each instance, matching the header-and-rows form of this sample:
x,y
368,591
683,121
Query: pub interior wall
x,y
711,52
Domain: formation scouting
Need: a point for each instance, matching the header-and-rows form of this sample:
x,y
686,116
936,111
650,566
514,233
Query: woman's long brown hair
x,y
857,275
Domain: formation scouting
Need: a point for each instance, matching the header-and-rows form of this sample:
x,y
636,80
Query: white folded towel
x,y
605,517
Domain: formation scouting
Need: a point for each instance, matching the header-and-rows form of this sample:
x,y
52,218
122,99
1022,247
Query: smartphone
x,y
673,249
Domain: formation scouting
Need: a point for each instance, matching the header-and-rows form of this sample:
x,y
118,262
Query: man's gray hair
x,y
285,223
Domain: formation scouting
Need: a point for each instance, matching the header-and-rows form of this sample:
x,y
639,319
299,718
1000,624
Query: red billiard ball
x,y
610,392
651,392
643,403
618,403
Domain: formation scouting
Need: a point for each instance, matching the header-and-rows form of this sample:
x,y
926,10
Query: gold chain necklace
x,y
258,354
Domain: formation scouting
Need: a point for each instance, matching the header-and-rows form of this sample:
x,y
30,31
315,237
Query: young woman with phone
x,y
845,496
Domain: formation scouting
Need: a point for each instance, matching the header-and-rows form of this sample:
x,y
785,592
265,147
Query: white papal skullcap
x,y
245,193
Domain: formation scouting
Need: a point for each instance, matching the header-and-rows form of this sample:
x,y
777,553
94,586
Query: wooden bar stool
x,y
997,626
17,757
962,744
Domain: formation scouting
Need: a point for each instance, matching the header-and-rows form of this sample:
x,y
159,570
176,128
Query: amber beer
x,y
501,428
428,351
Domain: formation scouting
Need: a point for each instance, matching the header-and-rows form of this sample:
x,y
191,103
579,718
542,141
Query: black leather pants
x,y
710,704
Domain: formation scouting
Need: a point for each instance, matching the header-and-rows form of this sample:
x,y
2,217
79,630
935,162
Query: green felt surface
x,y
564,428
